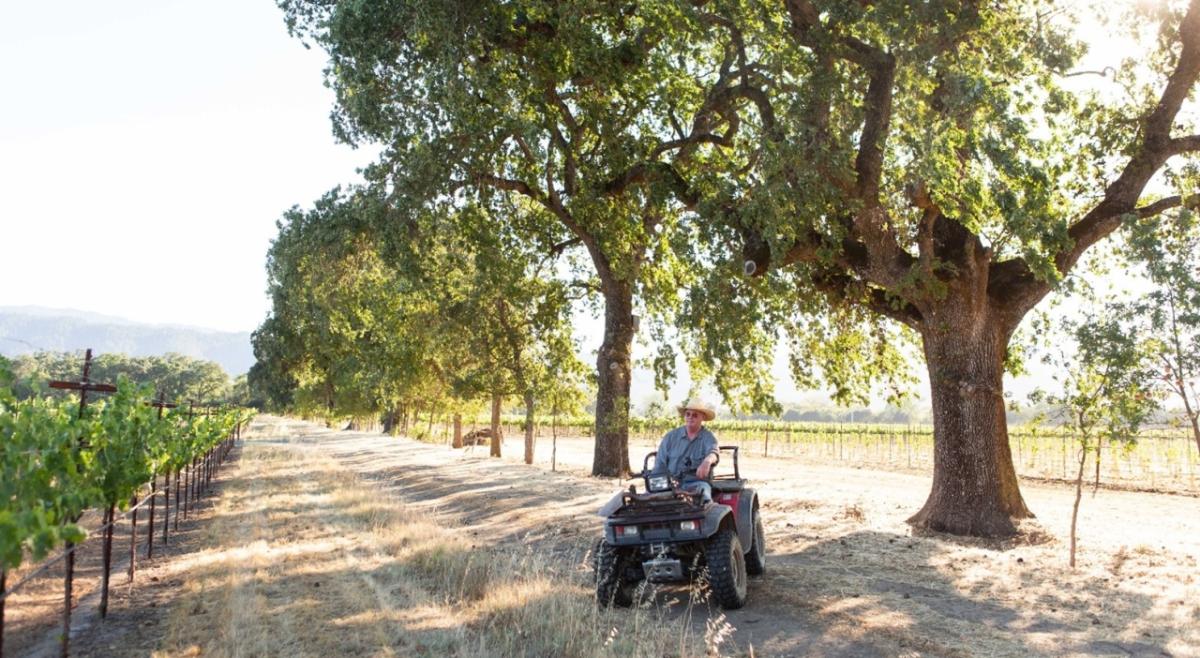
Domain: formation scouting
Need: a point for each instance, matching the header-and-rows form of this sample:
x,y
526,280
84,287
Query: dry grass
x,y
854,513
437,574
308,559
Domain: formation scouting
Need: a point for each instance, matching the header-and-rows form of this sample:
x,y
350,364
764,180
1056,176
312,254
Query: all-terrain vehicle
x,y
666,534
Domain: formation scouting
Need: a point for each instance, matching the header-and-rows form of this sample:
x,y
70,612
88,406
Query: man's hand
x,y
705,467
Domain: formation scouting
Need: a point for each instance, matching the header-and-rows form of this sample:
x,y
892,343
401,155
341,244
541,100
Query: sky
x,y
147,149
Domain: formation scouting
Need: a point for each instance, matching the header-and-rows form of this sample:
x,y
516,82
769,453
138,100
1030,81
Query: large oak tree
x,y
925,162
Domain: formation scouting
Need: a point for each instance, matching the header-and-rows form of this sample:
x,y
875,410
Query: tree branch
x,y
691,140
1156,147
844,288
1191,202
1181,145
558,249
510,185
1121,196
648,171
878,106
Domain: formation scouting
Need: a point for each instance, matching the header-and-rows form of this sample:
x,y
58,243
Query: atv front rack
x,y
662,503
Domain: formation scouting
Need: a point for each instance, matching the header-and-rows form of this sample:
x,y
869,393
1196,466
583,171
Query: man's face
x,y
693,420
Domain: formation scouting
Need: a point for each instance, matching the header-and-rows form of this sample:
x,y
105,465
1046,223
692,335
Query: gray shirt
x,y
681,457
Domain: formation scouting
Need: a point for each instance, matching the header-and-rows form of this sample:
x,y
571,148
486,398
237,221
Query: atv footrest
x,y
663,570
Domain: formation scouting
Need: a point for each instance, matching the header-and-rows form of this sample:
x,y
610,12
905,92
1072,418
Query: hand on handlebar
x,y
704,469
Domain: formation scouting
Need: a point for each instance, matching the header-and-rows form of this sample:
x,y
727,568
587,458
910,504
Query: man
x,y
688,453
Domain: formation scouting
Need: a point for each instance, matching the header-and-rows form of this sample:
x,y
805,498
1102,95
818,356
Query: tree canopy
x,y
366,321
176,376
882,173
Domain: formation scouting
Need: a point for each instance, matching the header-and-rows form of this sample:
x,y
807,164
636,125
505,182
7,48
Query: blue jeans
x,y
699,486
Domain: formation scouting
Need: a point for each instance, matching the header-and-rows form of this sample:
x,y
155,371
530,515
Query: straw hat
x,y
696,404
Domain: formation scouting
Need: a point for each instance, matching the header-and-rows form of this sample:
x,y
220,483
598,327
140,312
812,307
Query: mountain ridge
x,y
27,329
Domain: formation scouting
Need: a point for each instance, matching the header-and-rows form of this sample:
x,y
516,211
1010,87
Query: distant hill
x,y
26,329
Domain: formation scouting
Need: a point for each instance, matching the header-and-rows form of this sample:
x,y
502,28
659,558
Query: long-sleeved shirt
x,y
680,457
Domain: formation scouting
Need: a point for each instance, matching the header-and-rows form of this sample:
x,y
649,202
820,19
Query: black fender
x,y
744,519
715,517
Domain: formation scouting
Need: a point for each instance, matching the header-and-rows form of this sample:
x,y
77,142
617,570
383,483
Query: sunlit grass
x,y
308,559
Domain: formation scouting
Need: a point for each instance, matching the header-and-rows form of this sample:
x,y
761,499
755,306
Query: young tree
x,y
563,394
1168,251
1106,390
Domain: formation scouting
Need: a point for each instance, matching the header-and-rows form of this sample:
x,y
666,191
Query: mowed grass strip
x,y
307,559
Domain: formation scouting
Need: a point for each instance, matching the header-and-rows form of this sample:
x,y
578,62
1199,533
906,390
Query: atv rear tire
x,y
756,557
726,569
611,588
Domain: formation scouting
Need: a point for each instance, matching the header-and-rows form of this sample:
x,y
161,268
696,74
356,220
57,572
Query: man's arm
x,y
710,457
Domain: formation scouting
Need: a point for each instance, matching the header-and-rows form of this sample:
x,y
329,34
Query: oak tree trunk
x,y
3,588
495,424
975,489
457,432
528,427
613,363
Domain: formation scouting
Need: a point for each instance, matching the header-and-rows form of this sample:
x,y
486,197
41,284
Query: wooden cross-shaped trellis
x,y
85,385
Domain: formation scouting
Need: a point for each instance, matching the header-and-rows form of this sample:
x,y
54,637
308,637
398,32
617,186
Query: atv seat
x,y
728,486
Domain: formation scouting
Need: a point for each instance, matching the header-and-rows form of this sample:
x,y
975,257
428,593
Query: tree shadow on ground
x,y
847,587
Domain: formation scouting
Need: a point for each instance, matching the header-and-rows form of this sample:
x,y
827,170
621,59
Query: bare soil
x,y
846,576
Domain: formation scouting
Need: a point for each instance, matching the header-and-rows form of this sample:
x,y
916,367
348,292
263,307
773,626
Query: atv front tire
x,y
726,569
611,588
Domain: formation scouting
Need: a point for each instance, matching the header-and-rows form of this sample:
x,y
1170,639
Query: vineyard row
x,y
60,457
1158,459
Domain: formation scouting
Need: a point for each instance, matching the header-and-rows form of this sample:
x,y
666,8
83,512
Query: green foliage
x,y
340,339
552,121
1107,388
270,380
55,463
1170,310
925,163
175,375
46,480
368,321
126,432
666,135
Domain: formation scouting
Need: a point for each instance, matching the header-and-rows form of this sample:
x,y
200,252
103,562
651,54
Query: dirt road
x,y
845,575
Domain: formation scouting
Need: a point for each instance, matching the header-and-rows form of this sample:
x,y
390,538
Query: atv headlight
x,y
660,483
626,531
689,526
